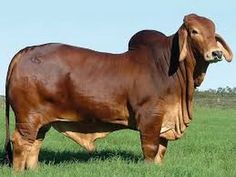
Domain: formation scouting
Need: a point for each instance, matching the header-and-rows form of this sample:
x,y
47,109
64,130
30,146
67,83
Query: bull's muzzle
x,y
217,54
214,56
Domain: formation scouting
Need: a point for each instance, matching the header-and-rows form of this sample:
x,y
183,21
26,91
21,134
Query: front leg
x,y
149,120
161,150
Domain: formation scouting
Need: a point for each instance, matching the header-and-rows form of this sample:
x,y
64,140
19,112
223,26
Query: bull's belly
x,y
87,125
108,114
86,133
81,133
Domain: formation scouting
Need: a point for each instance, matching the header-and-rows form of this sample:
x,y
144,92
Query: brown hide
x,y
87,94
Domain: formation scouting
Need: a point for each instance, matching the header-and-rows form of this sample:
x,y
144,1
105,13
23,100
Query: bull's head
x,y
198,33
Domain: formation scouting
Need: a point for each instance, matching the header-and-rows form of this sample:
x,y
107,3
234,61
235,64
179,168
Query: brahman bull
x,y
87,94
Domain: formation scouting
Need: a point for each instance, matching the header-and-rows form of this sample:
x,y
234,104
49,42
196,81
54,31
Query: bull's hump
x,y
146,38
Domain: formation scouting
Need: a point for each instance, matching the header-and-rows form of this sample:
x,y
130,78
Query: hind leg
x,y
21,148
24,139
32,158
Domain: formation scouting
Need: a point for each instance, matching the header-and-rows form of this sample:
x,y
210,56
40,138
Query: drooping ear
x,y
182,33
224,47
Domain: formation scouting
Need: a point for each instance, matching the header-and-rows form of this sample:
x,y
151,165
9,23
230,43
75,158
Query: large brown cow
x,y
87,94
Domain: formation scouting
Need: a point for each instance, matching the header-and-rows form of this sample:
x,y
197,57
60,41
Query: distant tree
x,y
229,90
219,91
212,91
234,90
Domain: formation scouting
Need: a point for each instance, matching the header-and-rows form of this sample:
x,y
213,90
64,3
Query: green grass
x,y
208,149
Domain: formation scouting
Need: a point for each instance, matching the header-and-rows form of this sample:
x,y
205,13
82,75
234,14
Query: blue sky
x,y
107,25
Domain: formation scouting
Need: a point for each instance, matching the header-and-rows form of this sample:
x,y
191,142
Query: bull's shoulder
x,y
146,38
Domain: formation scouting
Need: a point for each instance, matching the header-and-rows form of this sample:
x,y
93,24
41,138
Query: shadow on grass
x,y
51,157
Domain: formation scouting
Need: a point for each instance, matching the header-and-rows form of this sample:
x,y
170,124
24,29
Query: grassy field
x,y
208,149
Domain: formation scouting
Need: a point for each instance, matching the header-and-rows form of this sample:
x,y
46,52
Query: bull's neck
x,y
200,68
183,74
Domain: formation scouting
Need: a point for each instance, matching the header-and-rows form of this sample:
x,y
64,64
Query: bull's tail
x,y
8,150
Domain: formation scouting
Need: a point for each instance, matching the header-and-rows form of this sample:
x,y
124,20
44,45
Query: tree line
x,y
220,92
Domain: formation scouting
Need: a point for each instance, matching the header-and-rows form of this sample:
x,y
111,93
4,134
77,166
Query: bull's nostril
x,y
217,54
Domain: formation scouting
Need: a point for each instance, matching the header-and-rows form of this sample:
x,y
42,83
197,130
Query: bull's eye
x,y
194,32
